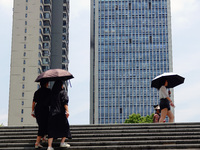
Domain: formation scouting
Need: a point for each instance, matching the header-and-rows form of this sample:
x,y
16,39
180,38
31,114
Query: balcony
x,y
47,15
46,38
46,23
46,45
47,2
46,31
46,53
45,61
47,8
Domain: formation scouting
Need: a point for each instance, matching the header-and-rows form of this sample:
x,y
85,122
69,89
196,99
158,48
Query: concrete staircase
x,y
111,137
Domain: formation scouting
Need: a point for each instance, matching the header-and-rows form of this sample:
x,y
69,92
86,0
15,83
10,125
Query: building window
x,y
23,86
22,111
25,22
24,62
130,41
22,103
149,5
46,45
25,30
63,37
26,15
23,78
129,5
63,45
24,38
24,54
150,39
64,8
63,66
22,94
26,0
64,30
26,7
24,69
63,52
46,15
22,120
64,23
24,46
64,60
64,15
46,38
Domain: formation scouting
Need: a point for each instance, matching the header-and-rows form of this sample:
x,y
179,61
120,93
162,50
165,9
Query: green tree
x,y
137,118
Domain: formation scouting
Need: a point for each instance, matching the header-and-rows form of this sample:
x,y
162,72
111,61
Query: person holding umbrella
x,y
165,102
162,82
40,110
58,118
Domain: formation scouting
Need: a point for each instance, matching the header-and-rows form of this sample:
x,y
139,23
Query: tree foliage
x,y
137,118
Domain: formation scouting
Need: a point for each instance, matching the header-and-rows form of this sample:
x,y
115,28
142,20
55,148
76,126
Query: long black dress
x,y
58,122
42,98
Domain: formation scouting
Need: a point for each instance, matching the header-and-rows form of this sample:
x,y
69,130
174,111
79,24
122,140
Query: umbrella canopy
x,y
54,74
173,80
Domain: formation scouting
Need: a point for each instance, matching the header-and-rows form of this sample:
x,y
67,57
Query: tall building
x,y
39,42
130,45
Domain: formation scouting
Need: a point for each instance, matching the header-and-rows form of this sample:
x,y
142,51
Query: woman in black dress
x,y
58,122
40,110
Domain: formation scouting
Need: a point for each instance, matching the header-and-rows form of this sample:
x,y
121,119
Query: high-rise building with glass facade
x,y
130,45
39,42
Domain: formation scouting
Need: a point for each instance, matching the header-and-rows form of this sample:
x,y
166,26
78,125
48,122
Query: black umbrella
x,y
54,74
173,80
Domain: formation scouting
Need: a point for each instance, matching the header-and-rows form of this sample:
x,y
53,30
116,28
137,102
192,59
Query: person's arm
x,y
64,101
33,106
66,111
171,103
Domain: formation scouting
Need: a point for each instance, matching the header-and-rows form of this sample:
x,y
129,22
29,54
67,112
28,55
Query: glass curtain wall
x,y
133,47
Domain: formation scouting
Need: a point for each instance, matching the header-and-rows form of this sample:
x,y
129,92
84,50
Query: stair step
x,y
110,137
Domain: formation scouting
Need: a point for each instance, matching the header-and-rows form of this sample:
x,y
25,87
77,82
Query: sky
x,y
186,61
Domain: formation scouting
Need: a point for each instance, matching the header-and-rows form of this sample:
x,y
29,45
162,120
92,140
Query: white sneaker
x,y
38,145
64,145
50,148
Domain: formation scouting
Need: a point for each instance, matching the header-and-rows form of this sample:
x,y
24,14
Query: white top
x,y
163,92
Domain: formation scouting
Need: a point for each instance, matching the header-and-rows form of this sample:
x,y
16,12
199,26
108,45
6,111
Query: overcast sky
x,y
186,61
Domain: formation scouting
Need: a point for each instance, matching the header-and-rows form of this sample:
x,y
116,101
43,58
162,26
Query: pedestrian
x,y
156,116
165,102
40,110
58,118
